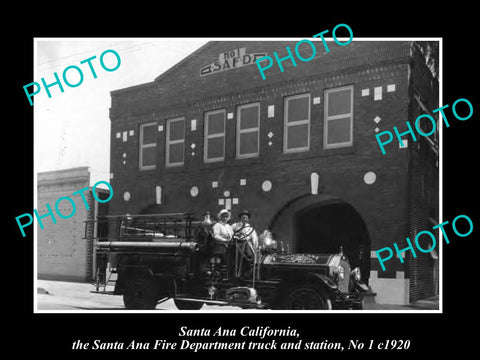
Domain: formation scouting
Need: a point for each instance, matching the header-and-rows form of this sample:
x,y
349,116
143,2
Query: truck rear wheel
x,y
187,305
306,297
140,294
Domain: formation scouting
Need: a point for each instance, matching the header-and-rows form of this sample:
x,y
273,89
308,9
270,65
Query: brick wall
x,y
423,270
183,84
62,251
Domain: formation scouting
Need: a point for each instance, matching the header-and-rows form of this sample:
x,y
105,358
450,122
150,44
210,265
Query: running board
x,y
223,303
103,292
205,301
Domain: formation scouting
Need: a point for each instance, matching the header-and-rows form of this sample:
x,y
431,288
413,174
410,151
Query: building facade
x,y
63,253
298,150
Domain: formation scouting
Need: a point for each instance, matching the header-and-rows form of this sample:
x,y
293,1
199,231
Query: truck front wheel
x,y
140,294
306,297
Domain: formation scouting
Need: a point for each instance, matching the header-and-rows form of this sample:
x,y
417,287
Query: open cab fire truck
x,y
172,256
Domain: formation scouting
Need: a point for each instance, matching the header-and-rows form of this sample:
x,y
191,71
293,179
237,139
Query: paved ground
x,y
61,295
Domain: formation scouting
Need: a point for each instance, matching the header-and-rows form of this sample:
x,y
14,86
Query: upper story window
x,y
175,142
147,146
248,130
214,145
296,123
338,117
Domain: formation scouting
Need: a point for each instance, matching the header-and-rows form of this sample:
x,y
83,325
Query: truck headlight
x,y
339,272
215,260
356,274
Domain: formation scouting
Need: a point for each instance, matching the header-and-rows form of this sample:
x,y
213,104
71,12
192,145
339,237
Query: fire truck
x,y
149,259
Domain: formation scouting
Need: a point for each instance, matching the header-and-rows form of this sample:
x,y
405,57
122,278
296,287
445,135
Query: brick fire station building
x,y
297,149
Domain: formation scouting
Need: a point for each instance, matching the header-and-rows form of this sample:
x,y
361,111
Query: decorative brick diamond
x,y
391,88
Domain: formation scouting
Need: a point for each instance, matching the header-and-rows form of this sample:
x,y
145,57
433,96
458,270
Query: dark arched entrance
x,y
323,224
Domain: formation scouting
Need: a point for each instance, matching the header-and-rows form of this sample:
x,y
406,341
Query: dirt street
x,y
62,295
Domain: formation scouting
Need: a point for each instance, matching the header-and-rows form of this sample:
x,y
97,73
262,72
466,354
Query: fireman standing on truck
x,y
222,234
246,234
246,231
222,231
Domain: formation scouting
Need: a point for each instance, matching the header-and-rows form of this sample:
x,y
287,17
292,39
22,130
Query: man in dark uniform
x,y
246,236
244,230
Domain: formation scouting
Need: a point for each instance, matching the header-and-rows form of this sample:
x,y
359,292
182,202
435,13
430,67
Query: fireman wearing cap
x,y
246,234
246,231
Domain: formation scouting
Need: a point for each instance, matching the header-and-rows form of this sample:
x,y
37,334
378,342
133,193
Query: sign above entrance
x,y
231,60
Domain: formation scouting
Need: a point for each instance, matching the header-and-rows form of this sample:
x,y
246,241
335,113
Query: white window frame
x,y
327,118
208,137
169,142
287,124
143,146
249,130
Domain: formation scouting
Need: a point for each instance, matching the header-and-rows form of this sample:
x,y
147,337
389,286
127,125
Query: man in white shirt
x,y
222,234
222,231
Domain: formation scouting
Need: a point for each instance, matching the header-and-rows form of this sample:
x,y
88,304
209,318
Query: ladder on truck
x,y
149,231
102,281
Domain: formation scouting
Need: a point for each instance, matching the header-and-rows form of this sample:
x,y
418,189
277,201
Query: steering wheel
x,y
241,235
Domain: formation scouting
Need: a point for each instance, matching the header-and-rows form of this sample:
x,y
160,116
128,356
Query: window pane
x,y
249,117
148,156
339,102
249,143
338,131
216,123
149,134
177,129
298,109
176,153
215,148
297,136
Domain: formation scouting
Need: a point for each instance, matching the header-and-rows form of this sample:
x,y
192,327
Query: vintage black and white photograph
x,y
234,175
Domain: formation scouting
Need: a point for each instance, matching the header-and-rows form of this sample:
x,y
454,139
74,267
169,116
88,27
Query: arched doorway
x,y
323,224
